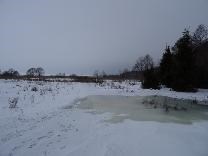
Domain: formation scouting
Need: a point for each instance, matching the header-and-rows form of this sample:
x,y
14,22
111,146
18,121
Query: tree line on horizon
x,y
183,67
31,72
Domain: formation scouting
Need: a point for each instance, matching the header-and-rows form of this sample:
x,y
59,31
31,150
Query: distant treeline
x,y
38,74
183,67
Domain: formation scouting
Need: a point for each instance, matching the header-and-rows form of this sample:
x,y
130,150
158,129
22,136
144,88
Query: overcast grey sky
x,y
79,36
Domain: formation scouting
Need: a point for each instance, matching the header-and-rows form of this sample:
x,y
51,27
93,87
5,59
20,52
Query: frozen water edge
x,y
40,126
147,108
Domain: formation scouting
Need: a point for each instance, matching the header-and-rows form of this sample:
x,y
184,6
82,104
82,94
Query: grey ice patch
x,y
148,108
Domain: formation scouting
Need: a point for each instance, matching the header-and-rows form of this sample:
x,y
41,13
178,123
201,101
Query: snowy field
x,y
47,122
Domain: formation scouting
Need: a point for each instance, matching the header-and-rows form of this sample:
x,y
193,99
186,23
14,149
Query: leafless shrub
x,y
34,89
42,92
13,102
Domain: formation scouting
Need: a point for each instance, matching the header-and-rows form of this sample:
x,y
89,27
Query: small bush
x,y
13,102
34,89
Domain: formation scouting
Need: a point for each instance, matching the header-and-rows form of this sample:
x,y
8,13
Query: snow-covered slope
x,y
40,124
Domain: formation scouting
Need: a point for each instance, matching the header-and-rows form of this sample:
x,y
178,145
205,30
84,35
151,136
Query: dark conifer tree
x,y
166,66
151,79
183,66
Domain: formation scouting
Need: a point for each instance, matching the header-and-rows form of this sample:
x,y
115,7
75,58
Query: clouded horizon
x,y
81,36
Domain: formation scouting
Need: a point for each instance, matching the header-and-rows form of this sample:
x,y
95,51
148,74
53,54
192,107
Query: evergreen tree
x,y
200,50
166,65
183,66
150,79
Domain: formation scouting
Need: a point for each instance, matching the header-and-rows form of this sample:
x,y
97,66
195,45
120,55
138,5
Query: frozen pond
x,y
149,108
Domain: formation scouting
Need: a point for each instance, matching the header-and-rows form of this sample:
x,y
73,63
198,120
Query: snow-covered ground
x,y
41,125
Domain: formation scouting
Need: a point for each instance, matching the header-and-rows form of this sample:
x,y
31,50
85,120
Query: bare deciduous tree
x,y
35,71
40,71
11,73
31,72
139,66
200,35
143,63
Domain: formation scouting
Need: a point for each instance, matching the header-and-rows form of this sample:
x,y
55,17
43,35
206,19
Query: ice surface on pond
x,y
148,108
